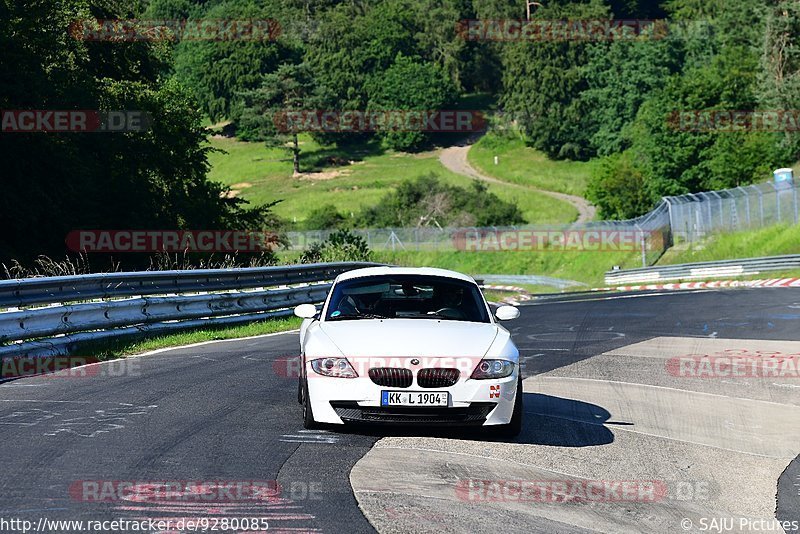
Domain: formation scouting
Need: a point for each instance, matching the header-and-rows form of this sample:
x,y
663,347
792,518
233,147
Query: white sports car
x,y
409,346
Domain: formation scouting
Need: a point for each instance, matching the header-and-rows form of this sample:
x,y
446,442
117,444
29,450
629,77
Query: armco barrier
x,y
62,311
112,285
703,270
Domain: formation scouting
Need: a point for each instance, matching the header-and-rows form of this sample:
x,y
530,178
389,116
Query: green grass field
x,y
590,267
771,241
260,175
586,267
120,347
521,164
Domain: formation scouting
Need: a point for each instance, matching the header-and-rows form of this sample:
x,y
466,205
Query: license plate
x,y
414,398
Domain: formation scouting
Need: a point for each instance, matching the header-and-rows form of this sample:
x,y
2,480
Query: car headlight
x,y
493,369
335,367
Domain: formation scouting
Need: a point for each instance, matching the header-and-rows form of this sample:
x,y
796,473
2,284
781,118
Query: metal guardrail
x,y
76,309
702,270
22,292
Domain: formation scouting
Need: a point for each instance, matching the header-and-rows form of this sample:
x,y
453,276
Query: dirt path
x,y
455,159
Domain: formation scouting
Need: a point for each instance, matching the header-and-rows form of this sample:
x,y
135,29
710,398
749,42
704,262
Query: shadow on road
x,y
551,421
563,422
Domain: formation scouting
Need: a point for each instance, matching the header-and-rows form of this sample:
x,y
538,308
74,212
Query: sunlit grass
x,y
520,164
120,347
261,174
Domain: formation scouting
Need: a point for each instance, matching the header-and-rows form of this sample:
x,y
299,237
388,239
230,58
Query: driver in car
x,y
447,301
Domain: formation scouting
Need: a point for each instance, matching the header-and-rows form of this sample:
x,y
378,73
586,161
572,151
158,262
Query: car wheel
x,y
514,427
300,390
308,414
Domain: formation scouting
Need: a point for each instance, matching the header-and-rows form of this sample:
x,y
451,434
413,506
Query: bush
x,y
324,218
427,201
618,188
340,246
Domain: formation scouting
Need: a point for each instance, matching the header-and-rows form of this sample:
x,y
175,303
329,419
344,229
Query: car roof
x,y
427,271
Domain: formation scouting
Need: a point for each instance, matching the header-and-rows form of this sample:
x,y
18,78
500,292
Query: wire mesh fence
x,y
696,215
676,219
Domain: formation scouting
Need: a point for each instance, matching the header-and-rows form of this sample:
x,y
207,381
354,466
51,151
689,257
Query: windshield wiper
x,y
360,316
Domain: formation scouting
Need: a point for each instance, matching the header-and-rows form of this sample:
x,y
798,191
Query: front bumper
x,y
473,415
357,400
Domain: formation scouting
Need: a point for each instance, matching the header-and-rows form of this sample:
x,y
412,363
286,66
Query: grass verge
x,y
772,241
119,348
590,267
586,267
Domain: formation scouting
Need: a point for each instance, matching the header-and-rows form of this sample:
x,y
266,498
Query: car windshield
x,y
407,297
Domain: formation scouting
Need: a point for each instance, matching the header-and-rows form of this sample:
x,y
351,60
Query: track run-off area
x,y
621,434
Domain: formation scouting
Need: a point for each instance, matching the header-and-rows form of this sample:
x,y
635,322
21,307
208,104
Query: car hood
x,y
410,337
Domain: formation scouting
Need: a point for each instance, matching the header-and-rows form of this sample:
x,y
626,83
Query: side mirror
x,y
305,311
506,313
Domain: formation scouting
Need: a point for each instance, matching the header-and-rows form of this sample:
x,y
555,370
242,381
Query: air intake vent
x,y
391,377
437,378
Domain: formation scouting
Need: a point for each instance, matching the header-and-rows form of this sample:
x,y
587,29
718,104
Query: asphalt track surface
x,y
227,412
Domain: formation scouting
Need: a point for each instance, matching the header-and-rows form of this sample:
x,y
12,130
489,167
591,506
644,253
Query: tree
x,y
780,67
542,84
409,84
269,110
618,188
352,45
680,158
56,183
217,72
620,76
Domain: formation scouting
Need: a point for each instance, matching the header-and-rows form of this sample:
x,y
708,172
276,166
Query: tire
x,y
300,390
308,415
514,427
